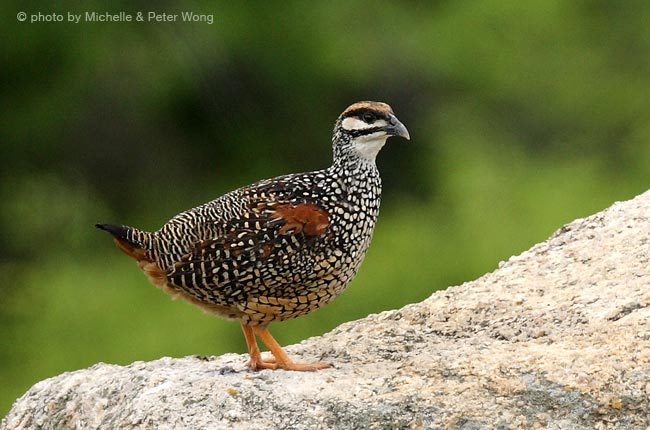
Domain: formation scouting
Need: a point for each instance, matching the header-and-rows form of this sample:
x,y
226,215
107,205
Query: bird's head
x,y
362,129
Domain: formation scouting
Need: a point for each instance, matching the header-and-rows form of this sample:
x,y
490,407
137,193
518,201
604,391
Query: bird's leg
x,y
282,360
256,362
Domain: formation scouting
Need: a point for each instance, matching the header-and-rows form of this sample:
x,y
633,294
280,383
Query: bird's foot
x,y
259,363
305,367
274,364
279,359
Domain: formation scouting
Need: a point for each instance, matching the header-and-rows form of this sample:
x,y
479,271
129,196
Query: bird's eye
x,y
368,117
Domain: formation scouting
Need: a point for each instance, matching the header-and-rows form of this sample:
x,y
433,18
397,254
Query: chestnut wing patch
x,y
302,218
265,233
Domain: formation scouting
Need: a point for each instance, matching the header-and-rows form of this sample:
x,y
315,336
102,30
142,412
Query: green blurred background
x,y
524,115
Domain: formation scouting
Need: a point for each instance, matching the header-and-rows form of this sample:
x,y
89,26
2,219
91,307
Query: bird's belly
x,y
329,276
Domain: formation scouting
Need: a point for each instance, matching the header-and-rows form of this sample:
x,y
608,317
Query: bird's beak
x,y
396,128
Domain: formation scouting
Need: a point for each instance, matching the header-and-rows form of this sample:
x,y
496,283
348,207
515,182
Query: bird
x,y
279,248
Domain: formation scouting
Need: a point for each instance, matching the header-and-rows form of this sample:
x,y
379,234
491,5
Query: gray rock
x,y
558,338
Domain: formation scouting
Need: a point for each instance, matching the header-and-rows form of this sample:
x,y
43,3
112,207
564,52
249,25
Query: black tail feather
x,y
130,235
118,231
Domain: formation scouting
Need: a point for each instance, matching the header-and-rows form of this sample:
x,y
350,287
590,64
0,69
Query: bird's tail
x,y
132,241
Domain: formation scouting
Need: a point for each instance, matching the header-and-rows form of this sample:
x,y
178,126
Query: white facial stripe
x,y
352,123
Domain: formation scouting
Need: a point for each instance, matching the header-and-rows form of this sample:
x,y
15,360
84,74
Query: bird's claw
x,y
273,364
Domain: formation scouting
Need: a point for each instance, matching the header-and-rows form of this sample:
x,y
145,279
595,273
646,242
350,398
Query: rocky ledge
x,y
557,337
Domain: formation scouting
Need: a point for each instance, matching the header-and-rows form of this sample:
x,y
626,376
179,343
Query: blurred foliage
x,y
523,116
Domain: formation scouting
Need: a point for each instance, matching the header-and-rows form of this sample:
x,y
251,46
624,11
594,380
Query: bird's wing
x,y
274,243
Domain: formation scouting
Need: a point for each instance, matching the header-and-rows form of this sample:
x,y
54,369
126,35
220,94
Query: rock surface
x,y
558,337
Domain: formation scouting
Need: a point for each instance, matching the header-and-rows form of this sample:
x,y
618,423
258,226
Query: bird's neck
x,y
360,150
356,169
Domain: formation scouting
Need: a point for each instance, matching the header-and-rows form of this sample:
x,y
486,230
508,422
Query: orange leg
x,y
256,362
280,358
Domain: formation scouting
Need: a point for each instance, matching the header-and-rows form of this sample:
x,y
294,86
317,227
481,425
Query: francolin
x,y
278,248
